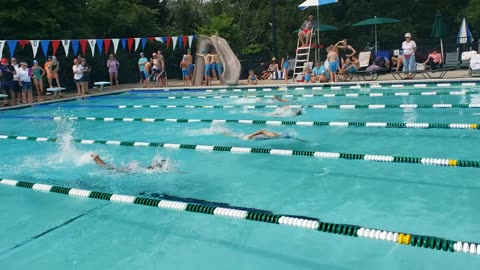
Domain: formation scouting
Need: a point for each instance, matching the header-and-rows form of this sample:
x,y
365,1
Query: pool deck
x,y
451,76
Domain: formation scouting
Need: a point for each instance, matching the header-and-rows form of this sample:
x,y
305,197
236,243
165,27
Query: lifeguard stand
x,y
302,56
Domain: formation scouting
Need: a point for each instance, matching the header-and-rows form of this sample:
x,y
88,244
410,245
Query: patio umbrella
x,y
374,21
322,28
316,3
464,35
439,30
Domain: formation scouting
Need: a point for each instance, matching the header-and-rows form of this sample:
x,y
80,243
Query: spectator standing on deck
x,y
141,66
25,83
78,77
8,71
37,74
113,66
184,67
162,77
16,80
409,48
86,75
190,63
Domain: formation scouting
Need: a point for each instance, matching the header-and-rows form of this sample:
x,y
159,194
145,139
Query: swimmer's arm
x,y
100,162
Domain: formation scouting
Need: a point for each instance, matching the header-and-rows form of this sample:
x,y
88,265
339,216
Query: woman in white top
x,y
78,77
409,48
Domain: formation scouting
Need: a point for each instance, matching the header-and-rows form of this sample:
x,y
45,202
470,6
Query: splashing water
x,y
67,152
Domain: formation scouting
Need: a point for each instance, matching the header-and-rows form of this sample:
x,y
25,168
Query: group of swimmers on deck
x,y
213,66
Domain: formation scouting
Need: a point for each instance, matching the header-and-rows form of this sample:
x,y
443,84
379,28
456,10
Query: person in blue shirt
x,y
319,73
141,66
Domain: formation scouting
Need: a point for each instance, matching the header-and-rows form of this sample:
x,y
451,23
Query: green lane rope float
x,y
408,239
266,122
400,94
318,106
273,152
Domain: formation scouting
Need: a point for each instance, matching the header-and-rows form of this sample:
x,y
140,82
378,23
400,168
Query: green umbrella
x,y
374,21
439,30
322,28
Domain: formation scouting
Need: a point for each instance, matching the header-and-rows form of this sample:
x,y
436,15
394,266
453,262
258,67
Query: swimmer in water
x,y
285,111
279,98
156,165
263,135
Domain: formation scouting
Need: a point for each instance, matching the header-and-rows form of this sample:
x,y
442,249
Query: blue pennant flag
x,y
124,43
75,43
100,45
44,44
144,42
12,44
164,39
180,41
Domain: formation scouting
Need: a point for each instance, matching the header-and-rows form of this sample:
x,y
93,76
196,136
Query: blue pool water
x,y
89,234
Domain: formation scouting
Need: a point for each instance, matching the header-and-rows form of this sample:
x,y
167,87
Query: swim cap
x,y
204,51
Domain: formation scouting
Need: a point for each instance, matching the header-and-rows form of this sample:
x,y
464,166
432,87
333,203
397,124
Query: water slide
x,y
230,63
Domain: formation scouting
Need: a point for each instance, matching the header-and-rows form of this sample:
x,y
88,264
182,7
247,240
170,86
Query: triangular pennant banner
x,y
180,41
174,39
75,44
144,42
185,40
100,45
124,43
164,39
83,45
55,44
151,38
92,42
23,43
159,39
137,42
190,39
115,45
107,44
12,44
66,46
44,44
168,41
2,44
35,44
130,43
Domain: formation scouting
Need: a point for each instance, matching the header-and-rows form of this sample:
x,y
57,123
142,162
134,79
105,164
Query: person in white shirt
x,y
409,48
25,82
78,77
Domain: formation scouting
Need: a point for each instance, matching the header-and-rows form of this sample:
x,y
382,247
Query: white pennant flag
x,y
92,43
190,39
35,44
159,39
115,44
174,39
2,44
137,42
66,46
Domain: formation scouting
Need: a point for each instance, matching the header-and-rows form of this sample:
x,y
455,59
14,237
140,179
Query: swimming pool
x,y
52,231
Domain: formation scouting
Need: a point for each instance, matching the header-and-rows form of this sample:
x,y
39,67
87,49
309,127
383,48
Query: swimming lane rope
x,y
263,122
414,240
318,106
400,94
273,152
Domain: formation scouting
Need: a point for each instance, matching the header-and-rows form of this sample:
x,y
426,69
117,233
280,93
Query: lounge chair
x,y
466,56
451,61
474,69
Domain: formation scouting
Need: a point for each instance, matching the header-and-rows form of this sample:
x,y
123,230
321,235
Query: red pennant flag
x,y
107,42
185,40
23,43
83,45
55,44
130,43
169,39
151,38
